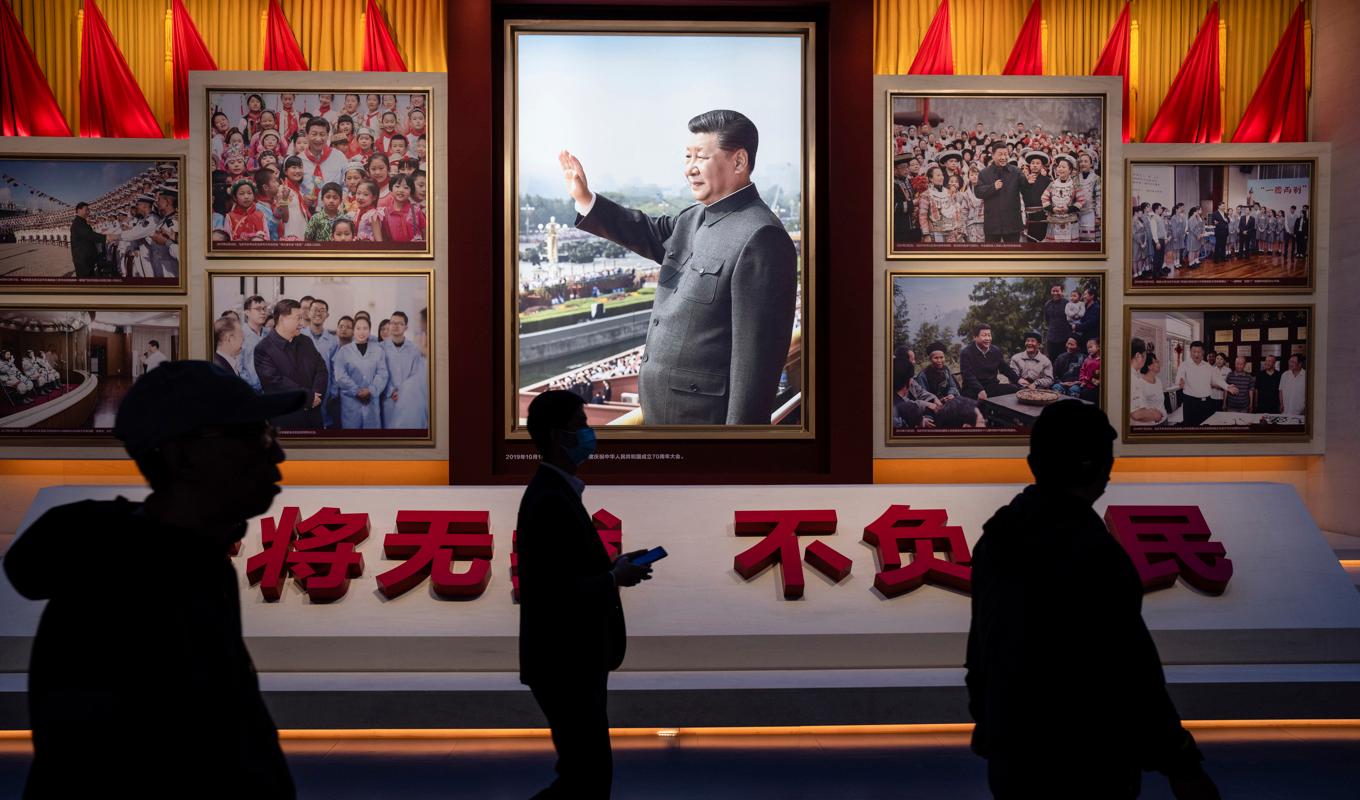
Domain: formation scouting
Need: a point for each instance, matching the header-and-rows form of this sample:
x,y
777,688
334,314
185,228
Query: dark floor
x,y
1261,764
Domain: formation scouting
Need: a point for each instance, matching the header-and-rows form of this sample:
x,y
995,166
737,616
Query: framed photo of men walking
x,y
363,344
1197,218
1003,172
90,216
1220,373
975,358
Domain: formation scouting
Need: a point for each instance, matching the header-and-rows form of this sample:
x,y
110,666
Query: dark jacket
x,y
570,617
1064,672
285,366
1089,327
85,243
1000,207
223,363
1055,319
978,370
723,315
137,686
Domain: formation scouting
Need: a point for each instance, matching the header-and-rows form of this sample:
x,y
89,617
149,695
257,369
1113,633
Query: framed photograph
x,y
361,343
995,174
91,216
1224,224
65,368
975,358
658,254
1217,373
295,172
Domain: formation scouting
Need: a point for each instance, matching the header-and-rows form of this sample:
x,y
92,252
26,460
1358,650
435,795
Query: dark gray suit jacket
x,y
723,315
1001,208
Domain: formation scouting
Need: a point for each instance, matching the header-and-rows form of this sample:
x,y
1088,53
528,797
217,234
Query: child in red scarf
x,y
400,219
245,223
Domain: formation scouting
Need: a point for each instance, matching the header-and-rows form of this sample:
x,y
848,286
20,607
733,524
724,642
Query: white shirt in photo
x,y
1200,380
1294,389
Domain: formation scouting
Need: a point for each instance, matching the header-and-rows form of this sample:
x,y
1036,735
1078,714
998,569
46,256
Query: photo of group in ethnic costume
x,y
974,174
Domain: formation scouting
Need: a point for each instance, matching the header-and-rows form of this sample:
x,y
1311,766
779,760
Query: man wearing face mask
x,y
571,631
1038,661
723,315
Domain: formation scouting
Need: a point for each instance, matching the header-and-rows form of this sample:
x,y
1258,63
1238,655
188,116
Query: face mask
x,y
584,447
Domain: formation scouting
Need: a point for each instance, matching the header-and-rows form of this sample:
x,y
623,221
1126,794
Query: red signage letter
x,y
781,530
431,541
1169,541
318,552
925,532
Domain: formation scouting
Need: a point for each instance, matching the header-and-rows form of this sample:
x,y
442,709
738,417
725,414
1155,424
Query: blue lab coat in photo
x,y
353,372
403,363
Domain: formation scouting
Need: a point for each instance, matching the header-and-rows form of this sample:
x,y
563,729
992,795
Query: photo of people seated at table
x,y
1227,371
89,221
64,371
997,174
360,345
319,172
982,356
1243,224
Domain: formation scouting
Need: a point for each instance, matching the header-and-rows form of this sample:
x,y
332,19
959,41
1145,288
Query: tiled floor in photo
x,y
1260,764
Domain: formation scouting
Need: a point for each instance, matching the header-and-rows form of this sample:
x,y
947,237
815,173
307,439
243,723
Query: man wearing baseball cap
x,y
139,679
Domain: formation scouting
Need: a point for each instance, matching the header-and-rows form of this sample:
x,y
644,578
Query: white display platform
x,y
1290,616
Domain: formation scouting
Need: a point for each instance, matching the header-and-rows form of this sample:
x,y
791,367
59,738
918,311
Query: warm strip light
x,y
1350,564
304,734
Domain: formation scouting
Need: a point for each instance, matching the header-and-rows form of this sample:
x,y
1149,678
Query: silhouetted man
x,y
85,242
1064,681
137,689
571,632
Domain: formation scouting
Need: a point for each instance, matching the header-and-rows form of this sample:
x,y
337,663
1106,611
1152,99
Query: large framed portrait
x,y
64,369
361,343
996,173
91,216
975,358
1219,373
341,172
1196,224
659,255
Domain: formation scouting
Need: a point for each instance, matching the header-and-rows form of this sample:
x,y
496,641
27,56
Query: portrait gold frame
x,y
1001,92
1132,288
1135,435
283,83
322,442
79,149
999,439
806,31
92,439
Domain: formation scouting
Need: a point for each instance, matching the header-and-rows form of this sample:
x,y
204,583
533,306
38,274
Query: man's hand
x,y
982,396
1232,390
316,399
575,176
393,395
999,183
626,573
1024,383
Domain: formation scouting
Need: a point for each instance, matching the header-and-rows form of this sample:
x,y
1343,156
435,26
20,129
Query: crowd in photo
x,y
1206,383
30,378
1037,185
131,231
362,374
1064,358
591,383
1173,238
298,168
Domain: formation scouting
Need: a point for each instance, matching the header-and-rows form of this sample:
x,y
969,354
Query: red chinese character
x,y
318,552
925,532
431,541
1169,541
781,530
609,527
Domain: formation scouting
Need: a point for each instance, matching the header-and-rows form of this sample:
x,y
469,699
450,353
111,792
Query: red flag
x,y
111,103
380,51
189,53
27,107
281,51
1027,56
1278,112
1114,60
936,54
1192,111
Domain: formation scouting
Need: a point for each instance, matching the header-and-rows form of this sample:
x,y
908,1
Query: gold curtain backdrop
x,y
330,32
982,33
